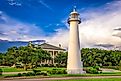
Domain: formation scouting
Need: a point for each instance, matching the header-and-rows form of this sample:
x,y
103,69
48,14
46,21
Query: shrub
x,y
1,71
38,73
35,71
97,67
92,70
23,74
42,65
44,73
64,71
61,71
57,71
46,65
53,72
60,65
28,74
19,74
51,65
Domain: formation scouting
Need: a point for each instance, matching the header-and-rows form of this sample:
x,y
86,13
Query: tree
x,y
13,54
94,56
61,59
25,54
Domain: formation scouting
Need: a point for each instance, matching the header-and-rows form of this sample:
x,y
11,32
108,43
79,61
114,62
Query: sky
x,y
25,20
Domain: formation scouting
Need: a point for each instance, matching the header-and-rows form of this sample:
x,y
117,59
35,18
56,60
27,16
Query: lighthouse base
x,y
78,70
75,71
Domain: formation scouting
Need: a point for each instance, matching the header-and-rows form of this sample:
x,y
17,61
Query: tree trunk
x,y
31,66
14,65
25,67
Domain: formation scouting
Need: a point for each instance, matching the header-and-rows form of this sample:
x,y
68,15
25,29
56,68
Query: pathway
x,y
59,78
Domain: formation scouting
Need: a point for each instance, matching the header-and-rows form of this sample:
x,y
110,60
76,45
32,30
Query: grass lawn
x,y
11,69
107,79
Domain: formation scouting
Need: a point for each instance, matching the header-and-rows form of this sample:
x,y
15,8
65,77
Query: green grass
x,y
11,69
107,79
83,75
47,68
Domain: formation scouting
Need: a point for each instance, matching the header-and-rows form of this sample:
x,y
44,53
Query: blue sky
x,y
46,14
46,19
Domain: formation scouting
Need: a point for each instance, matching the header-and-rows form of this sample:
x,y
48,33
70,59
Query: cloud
x,y
15,2
60,37
44,4
12,29
118,29
108,46
96,28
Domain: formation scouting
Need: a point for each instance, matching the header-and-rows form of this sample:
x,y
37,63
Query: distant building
x,y
53,50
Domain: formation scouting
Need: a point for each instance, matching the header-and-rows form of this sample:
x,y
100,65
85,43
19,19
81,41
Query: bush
x,y
35,71
51,65
53,71
1,71
97,67
19,74
64,71
92,70
46,65
57,71
38,73
60,65
44,73
28,74
23,74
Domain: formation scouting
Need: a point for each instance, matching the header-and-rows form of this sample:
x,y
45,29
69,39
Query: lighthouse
x,y
74,64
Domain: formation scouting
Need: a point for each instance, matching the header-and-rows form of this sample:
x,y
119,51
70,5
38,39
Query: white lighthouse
x,y
74,64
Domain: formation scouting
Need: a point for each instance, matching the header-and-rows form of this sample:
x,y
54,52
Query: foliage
x,y
11,69
93,70
36,71
57,71
32,74
28,56
19,74
44,73
61,59
31,57
1,71
95,56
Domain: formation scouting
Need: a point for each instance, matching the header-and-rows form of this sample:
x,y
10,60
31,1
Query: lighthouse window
x,y
74,16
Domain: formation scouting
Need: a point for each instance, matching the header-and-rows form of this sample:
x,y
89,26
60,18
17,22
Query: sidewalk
x,y
15,72
59,78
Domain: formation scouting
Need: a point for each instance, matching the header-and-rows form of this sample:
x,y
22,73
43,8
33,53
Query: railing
x,y
74,19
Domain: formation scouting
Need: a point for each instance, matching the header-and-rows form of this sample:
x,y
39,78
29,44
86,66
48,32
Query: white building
x,y
74,64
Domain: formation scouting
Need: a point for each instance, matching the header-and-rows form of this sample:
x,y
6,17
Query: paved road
x,y
61,78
